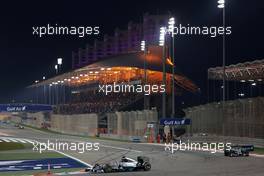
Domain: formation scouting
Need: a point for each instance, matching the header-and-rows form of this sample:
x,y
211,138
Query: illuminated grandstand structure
x,y
248,71
123,68
77,91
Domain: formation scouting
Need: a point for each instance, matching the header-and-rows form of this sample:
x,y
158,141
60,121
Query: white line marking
x,y
120,148
13,140
29,141
17,140
74,158
37,168
6,140
22,141
256,155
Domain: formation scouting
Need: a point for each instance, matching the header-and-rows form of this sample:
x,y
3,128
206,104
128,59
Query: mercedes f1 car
x,y
124,165
239,150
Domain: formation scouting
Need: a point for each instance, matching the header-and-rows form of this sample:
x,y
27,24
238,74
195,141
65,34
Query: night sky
x,y
25,58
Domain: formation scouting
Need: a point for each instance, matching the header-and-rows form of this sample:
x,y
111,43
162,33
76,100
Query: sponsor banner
x,y
24,108
174,121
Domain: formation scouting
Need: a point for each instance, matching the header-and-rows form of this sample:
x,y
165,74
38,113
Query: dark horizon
x,y
26,58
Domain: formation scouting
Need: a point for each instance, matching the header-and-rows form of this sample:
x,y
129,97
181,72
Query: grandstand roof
x,y
135,60
248,71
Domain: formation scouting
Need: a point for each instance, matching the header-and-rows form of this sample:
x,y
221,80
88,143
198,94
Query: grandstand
x,y
77,91
242,114
248,71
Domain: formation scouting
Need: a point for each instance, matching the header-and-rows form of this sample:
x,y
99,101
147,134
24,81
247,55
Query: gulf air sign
x,y
175,121
24,108
15,108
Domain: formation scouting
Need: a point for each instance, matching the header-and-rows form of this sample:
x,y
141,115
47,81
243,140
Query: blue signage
x,y
41,164
24,108
175,121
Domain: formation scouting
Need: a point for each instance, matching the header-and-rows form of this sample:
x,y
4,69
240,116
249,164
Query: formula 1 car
x,y
128,164
20,127
125,165
239,150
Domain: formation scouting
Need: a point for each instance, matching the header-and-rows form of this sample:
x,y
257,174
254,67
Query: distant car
x,y
20,127
16,125
239,150
203,134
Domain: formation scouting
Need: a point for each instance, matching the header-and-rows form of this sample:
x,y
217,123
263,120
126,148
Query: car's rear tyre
x,y
147,167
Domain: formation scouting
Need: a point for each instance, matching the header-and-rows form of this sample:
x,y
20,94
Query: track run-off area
x,y
163,163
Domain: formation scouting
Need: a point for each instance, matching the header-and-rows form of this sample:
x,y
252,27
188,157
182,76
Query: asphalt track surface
x,y
163,163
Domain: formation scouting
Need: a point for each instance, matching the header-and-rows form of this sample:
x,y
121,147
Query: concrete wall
x,y
81,124
121,125
34,119
238,118
133,123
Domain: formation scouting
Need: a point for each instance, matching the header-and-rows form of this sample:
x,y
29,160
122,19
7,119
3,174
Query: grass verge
x,y
4,146
258,151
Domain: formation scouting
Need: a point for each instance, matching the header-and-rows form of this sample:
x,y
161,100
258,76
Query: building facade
x,y
123,41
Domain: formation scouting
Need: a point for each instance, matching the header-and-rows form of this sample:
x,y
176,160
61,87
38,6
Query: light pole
x,y
143,48
44,91
50,88
55,86
36,91
56,69
59,62
171,31
221,5
162,43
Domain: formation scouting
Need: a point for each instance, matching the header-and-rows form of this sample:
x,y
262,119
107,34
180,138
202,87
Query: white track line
x,y
13,140
21,140
256,155
29,141
69,156
120,148
6,140
17,140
